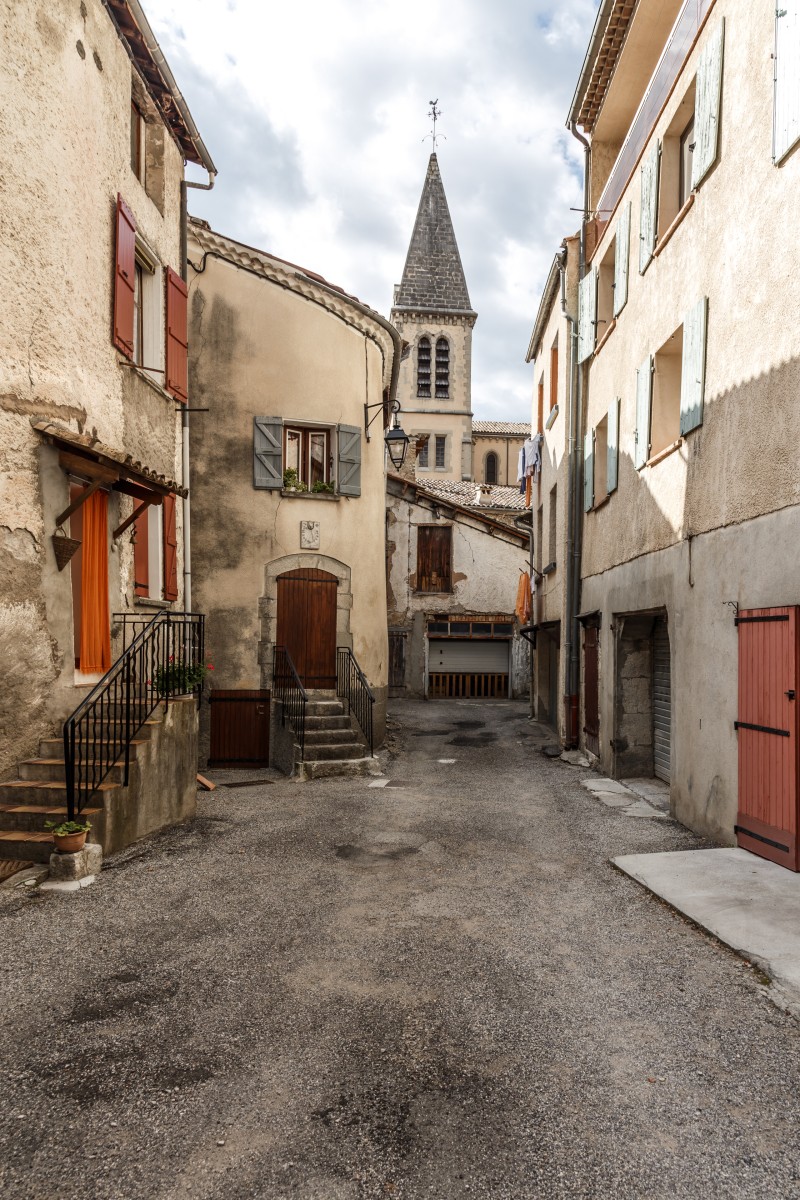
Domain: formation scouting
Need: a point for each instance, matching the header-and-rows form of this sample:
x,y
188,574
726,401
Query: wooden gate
x,y
591,697
239,728
767,727
307,624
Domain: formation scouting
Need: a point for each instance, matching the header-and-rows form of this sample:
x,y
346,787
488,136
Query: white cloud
x,y
315,114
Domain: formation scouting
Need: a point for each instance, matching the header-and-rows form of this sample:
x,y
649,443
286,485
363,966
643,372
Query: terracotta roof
x,y
126,464
493,496
518,428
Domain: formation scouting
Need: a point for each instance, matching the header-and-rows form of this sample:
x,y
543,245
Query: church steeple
x,y
433,277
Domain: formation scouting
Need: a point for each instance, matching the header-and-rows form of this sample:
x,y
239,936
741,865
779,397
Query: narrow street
x,y
435,988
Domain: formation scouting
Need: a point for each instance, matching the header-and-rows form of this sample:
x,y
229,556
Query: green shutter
x,y
693,367
348,482
612,467
267,452
786,115
644,391
587,314
588,470
622,255
707,105
648,217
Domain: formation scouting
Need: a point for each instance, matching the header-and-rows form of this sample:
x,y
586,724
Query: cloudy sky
x,y
315,111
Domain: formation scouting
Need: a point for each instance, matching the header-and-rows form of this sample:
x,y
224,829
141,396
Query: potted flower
x,y
322,487
292,481
180,678
68,836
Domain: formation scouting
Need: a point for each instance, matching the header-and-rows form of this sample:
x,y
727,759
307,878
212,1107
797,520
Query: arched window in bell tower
x,y
424,366
490,472
442,369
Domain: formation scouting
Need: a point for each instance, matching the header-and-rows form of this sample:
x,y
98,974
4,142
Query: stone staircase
x,y
39,795
334,745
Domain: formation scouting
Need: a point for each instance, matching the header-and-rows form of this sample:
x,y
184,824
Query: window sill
x,y
551,420
293,494
420,592
676,221
549,569
600,503
665,453
132,367
151,602
612,326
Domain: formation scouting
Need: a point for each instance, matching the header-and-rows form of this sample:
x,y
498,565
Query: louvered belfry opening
x,y
424,367
442,369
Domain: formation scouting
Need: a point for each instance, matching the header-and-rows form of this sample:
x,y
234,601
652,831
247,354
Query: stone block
x,y
636,664
88,861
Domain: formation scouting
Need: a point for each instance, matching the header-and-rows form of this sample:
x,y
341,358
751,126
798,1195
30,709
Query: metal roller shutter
x,y
662,706
450,654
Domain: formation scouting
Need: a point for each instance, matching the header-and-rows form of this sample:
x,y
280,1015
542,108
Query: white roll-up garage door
x,y
662,702
451,655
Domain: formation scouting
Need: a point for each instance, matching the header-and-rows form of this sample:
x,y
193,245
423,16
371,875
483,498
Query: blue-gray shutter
x,y
612,467
267,452
348,481
588,470
707,104
786,112
644,391
587,314
648,217
693,367
622,255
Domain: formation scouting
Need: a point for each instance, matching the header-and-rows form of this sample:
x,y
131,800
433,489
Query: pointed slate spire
x,y
433,278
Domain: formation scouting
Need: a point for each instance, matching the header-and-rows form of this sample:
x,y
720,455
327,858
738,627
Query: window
x,y
539,532
675,173
540,405
554,375
686,152
786,117
424,367
155,552
601,461
665,412
137,141
138,315
148,333
307,452
441,443
605,288
442,369
434,558
422,457
552,518
490,471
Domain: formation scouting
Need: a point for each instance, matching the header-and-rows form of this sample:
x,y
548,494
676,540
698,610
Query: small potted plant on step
x,y
68,836
180,678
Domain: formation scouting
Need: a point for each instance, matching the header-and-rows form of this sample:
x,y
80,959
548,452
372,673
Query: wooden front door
x,y
239,728
307,624
767,730
591,697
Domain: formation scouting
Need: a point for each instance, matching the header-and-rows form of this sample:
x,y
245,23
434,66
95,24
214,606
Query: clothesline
x,y
529,466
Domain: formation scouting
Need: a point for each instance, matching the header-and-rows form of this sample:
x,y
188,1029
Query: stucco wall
x,y
65,95
507,450
263,349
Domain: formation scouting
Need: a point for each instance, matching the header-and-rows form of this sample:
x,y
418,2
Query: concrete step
x,y
52,770
40,791
26,847
339,751
341,722
54,747
324,708
33,817
328,737
331,768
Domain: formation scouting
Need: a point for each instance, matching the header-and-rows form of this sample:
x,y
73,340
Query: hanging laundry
x,y
528,491
523,605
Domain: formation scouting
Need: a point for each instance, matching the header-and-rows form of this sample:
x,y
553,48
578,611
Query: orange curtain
x,y
95,620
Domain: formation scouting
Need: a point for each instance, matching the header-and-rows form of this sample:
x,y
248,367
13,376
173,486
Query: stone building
x,y
495,451
689,351
433,314
288,500
93,366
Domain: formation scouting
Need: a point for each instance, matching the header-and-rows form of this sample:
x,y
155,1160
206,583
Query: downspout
x,y
187,527
579,397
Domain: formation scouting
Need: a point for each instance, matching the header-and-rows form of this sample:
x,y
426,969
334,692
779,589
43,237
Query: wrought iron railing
x,y
165,658
289,692
352,686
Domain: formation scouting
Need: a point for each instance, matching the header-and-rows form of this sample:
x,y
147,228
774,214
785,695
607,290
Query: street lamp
x,y
396,440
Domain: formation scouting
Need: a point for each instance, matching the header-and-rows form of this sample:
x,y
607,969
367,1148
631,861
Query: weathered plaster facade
x,y
271,340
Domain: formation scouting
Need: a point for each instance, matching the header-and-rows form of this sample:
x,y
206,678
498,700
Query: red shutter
x,y
170,550
124,278
177,337
141,557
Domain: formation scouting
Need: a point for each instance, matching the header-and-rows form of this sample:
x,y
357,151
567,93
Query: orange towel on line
x,y
528,490
523,605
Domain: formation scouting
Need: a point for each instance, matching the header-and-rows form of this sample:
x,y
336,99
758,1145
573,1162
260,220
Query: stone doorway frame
x,y
268,603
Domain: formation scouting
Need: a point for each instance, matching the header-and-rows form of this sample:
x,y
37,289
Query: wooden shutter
x,y
693,367
587,314
348,481
267,452
170,550
588,470
124,278
644,389
707,105
622,255
612,468
177,337
434,558
141,556
786,113
648,218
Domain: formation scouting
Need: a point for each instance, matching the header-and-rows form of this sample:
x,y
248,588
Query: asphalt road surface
x,y
437,988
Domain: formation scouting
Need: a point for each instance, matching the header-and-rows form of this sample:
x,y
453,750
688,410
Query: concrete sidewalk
x,y
750,904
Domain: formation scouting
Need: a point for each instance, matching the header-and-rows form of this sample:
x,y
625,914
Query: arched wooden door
x,y
307,624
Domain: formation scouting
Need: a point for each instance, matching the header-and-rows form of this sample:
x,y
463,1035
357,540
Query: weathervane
x,y
434,113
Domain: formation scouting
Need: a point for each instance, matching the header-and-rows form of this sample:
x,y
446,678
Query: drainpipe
x,y
579,398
